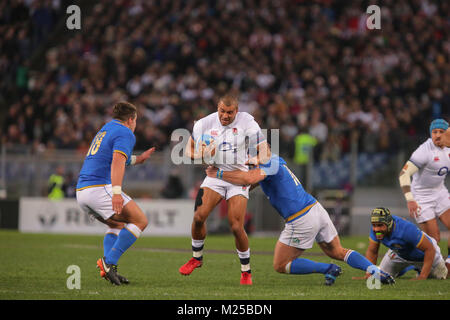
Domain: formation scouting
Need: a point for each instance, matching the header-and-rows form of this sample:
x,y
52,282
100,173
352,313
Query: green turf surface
x,y
33,266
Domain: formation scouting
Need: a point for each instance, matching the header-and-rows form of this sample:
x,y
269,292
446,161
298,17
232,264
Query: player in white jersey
x,y
223,139
427,197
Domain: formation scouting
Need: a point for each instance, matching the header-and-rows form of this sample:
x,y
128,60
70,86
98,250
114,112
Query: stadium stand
x,y
294,63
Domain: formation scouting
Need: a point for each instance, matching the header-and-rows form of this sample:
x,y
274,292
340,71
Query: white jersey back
x,y
433,163
233,141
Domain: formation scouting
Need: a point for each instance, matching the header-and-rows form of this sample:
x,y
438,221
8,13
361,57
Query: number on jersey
x,y
297,182
96,143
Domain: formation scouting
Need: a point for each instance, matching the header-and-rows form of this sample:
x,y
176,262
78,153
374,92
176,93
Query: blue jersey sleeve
x,y
124,144
271,168
413,235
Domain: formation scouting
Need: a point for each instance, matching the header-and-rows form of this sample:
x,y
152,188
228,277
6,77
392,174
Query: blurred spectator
x,y
304,146
56,184
294,63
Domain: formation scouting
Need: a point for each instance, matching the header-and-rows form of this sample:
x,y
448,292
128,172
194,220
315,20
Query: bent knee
x,y
279,267
199,217
142,223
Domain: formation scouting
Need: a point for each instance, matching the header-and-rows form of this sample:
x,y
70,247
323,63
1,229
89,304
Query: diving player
x,y
99,188
426,196
226,145
408,246
306,221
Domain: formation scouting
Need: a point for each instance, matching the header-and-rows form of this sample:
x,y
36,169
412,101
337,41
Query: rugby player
x,y
306,221
230,134
99,188
408,246
426,195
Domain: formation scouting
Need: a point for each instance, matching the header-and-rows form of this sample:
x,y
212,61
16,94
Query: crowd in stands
x,y
296,65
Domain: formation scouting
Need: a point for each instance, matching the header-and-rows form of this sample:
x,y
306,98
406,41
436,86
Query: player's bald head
x,y
227,109
229,100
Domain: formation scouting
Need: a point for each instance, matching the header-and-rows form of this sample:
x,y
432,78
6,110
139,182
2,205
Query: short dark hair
x,y
124,110
229,100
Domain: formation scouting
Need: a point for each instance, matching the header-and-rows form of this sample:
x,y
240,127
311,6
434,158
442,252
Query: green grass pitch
x,y
34,266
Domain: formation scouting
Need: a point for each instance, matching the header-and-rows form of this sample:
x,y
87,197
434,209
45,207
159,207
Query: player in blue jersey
x,y
408,246
99,188
306,221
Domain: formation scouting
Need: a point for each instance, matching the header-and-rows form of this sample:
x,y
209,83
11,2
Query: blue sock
x,y
305,266
126,238
408,268
109,240
356,260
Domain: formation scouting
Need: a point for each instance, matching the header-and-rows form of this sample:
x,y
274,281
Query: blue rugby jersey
x,y
112,137
284,190
404,239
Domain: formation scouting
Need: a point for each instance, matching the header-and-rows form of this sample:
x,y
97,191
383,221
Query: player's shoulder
x,y
247,121
244,116
403,226
427,145
119,129
423,153
208,120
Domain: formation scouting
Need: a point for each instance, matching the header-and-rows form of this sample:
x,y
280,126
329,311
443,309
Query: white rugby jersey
x,y
233,141
433,163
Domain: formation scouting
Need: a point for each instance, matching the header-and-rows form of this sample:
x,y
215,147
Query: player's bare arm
x,y
117,173
372,251
203,151
405,183
140,159
427,247
237,177
264,153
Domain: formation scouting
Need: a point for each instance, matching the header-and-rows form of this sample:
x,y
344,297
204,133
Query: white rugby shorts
x,y
225,189
316,225
432,207
97,201
393,264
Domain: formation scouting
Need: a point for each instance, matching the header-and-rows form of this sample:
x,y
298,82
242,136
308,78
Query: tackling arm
x,y
237,177
264,152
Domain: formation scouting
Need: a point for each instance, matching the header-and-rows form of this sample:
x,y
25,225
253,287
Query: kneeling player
x,y
306,221
408,246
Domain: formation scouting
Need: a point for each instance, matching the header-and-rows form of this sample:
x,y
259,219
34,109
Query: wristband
x,y
116,190
409,196
133,160
219,174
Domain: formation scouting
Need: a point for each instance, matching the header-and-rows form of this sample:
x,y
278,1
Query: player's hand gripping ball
x,y
206,143
204,140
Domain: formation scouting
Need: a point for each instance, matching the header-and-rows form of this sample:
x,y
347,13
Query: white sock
x,y
244,257
133,229
197,248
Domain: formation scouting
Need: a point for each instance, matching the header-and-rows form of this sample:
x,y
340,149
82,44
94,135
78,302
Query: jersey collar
x,y
229,125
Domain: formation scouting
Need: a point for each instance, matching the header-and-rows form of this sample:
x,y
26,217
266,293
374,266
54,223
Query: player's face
x,y
380,230
226,114
132,123
436,136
